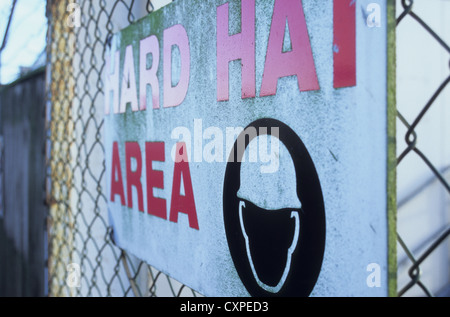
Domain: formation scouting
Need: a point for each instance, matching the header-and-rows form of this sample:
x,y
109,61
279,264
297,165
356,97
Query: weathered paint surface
x,y
344,131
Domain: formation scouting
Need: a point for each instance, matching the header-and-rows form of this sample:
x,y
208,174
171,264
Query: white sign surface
x,y
246,145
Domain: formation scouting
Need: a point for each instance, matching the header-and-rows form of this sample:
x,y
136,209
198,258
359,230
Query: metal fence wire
x,y
79,236
78,226
411,140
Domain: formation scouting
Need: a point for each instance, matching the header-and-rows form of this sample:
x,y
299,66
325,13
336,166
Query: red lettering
x,y
154,151
132,150
238,46
344,46
116,176
182,203
299,60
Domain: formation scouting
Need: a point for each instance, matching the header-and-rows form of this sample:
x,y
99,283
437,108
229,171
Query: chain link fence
x,y
78,231
415,259
79,236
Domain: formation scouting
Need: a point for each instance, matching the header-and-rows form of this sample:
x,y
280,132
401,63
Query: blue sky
x,y
27,36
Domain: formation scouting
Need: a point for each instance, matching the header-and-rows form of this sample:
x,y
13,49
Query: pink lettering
x,y
299,60
129,92
147,76
174,95
112,84
238,46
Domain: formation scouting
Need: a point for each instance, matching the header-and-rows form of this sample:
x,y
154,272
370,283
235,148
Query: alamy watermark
x,y
74,18
373,15
214,144
73,279
374,277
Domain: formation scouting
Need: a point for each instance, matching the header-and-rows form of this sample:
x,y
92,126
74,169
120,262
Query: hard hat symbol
x,y
269,201
271,191
274,221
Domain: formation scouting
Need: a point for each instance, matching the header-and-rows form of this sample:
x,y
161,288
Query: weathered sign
x,y
246,145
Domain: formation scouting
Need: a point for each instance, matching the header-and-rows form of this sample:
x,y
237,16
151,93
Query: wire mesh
x,y
411,141
78,227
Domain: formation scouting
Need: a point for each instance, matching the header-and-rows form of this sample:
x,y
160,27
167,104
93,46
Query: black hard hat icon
x,y
274,222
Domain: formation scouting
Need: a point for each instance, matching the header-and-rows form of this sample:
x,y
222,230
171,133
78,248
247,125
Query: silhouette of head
x,y
274,217
270,220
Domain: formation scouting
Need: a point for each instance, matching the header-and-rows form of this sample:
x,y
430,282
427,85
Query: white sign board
x,y
246,145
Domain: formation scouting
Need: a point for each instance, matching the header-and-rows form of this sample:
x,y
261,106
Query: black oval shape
x,y
306,260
